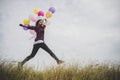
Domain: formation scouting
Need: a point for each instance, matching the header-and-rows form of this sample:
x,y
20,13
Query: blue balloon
x,y
52,9
25,27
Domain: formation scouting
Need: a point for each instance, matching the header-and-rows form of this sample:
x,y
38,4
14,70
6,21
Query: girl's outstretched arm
x,y
29,27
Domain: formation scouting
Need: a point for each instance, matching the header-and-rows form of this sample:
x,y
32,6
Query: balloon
x,y
40,13
40,17
33,18
48,14
47,23
32,32
52,9
36,11
25,28
26,21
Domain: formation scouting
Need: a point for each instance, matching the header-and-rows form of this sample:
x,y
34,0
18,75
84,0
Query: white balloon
x,y
40,17
47,23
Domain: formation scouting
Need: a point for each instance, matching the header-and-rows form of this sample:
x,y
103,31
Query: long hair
x,y
38,21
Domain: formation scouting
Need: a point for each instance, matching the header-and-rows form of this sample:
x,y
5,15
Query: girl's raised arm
x,y
29,27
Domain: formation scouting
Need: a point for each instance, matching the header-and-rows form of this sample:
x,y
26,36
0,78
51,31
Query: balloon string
x,y
32,37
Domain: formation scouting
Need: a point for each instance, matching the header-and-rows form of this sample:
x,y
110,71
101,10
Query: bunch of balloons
x,y
26,23
38,14
48,14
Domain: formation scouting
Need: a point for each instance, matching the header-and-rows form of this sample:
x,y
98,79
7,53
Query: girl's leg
x,y
34,51
45,47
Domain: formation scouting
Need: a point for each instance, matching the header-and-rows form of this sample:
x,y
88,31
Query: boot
x,y
60,62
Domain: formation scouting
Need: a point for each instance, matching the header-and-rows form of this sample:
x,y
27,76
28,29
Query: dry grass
x,y
9,71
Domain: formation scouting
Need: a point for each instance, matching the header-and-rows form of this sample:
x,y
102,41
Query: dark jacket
x,y
39,31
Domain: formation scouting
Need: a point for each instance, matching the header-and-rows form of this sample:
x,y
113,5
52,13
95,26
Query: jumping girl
x,y
39,42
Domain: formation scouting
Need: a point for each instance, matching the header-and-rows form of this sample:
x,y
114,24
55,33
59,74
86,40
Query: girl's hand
x,y
20,24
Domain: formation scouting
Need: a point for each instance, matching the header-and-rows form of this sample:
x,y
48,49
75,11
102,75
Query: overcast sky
x,y
79,30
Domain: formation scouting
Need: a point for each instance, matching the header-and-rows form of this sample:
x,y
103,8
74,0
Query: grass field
x,y
9,71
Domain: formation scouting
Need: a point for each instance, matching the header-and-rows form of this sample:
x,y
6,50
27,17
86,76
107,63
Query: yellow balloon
x,y
48,14
36,11
26,21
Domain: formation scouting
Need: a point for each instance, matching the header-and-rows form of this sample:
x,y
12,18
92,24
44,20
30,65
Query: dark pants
x,y
36,48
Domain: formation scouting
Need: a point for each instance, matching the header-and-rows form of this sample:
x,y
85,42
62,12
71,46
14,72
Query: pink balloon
x,y
32,32
40,13
33,18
